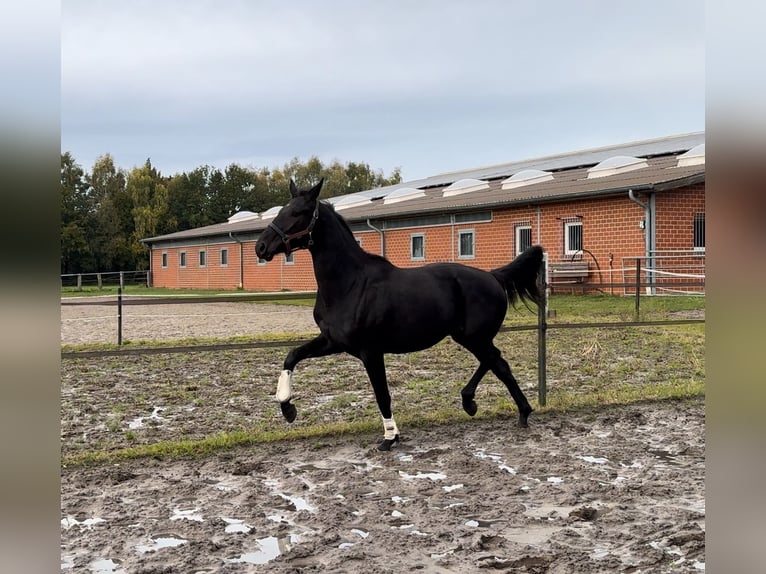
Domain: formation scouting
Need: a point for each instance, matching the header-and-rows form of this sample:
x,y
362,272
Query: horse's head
x,y
291,228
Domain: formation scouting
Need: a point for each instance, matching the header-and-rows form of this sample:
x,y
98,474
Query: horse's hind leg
x,y
490,358
503,372
317,347
469,391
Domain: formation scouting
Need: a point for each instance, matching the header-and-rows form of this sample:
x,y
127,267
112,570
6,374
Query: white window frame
x,y
224,257
182,259
567,247
460,234
422,237
695,247
164,260
202,258
290,259
517,237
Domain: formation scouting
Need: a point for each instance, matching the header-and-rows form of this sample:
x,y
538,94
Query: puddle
x,y
479,523
192,514
554,480
400,499
452,487
161,541
233,525
494,457
138,422
106,565
226,485
665,456
594,459
89,523
429,475
269,548
359,532
406,457
294,503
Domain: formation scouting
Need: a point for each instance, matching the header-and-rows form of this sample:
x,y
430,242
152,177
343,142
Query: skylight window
x,y
695,156
352,200
403,194
464,186
615,165
242,216
526,177
271,212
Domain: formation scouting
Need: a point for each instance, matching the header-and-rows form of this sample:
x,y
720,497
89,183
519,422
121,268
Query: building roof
x,y
570,180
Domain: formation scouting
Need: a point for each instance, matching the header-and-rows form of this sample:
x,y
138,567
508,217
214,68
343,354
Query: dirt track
x,y
620,489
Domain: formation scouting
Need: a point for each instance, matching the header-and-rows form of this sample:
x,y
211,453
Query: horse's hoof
x,y
288,411
470,407
386,444
523,418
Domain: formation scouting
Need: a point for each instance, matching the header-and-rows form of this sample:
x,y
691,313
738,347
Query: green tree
x,y
113,225
148,191
76,218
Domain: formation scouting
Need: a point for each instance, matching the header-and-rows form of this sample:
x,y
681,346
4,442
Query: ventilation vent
x,y
695,156
403,194
271,212
242,216
526,177
464,186
615,165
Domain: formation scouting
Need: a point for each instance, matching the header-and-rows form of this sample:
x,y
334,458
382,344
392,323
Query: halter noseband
x,y
287,238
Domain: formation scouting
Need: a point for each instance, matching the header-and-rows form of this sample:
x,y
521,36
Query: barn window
x,y
202,258
224,256
417,247
290,259
699,232
572,237
182,259
358,241
523,238
164,259
466,244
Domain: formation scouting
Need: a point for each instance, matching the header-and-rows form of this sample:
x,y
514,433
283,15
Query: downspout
x,y
452,237
241,262
382,238
539,225
648,234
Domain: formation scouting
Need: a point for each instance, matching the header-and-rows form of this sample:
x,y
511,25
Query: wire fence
x,y
638,286
104,279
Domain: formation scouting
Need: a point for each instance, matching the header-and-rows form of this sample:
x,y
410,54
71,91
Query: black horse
x,y
367,307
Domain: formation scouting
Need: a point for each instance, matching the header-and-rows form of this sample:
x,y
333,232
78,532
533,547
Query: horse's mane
x,y
344,225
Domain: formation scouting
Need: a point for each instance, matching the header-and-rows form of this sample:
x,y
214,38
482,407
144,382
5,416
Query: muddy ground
x,y
618,489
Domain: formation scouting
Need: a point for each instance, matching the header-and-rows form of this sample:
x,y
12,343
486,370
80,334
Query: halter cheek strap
x,y
287,238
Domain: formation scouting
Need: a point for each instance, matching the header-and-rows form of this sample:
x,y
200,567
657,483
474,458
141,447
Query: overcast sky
x,y
428,86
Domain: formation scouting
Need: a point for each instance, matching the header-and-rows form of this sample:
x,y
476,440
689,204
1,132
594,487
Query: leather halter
x,y
287,238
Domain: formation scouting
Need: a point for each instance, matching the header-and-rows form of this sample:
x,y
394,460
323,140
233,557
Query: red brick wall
x,y
611,227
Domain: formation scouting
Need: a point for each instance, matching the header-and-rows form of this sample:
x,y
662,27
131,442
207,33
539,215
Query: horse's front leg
x,y
317,347
376,370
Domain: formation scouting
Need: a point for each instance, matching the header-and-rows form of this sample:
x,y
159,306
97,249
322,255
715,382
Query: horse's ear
x,y
313,193
293,189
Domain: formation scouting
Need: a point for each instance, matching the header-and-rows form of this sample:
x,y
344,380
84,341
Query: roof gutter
x,y
241,262
382,237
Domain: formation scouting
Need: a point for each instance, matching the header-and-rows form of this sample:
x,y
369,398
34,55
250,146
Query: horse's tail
x,y
519,277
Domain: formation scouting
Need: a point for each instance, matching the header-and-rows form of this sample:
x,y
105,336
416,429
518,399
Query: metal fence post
x,y
119,316
542,331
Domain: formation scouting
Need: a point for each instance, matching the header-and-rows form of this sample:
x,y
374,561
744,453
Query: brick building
x,y
593,211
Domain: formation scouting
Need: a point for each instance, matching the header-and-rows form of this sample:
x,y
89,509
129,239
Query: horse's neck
x,y
337,256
